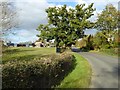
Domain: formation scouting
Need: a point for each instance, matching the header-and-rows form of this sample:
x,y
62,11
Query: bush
x,y
45,72
85,49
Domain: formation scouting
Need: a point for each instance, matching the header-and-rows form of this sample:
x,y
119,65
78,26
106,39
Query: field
x,y
79,77
25,53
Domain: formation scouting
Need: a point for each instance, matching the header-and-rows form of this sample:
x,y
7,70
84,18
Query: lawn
x,y
21,53
80,77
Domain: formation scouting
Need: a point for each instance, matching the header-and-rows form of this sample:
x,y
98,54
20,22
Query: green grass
x,y
80,77
109,52
25,53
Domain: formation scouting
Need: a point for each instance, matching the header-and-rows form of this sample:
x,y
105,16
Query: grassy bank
x,y
112,52
80,77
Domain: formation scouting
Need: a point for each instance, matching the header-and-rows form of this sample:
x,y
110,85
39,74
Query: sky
x,y
31,13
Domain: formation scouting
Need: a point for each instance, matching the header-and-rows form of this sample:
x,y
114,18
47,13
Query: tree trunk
x,y
58,50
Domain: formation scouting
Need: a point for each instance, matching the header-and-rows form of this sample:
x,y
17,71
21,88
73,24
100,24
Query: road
x,y
104,68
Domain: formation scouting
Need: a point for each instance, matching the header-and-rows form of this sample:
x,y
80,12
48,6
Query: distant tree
x,y
107,24
68,24
108,19
100,40
81,43
89,42
86,43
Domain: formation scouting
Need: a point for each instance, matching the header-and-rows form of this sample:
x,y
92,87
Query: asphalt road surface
x,y
105,70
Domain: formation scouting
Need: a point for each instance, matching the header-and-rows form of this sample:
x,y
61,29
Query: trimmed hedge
x,y
44,72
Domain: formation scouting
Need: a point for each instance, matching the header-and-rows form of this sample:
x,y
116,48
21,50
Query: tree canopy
x,y
67,24
107,24
108,19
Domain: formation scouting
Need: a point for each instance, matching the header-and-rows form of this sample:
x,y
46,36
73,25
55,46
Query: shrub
x,y
44,72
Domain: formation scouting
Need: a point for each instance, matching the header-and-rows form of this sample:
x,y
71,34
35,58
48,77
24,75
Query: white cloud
x,y
32,13
82,2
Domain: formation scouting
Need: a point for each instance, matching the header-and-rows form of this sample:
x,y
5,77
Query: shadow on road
x,y
75,49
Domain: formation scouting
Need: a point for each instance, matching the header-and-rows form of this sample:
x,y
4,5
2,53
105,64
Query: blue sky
x,y
67,3
31,13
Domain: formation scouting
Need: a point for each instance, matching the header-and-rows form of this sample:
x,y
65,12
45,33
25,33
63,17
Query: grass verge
x,y
109,52
112,52
80,77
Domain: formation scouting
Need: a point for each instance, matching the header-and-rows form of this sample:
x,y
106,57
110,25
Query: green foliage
x,y
107,23
45,72
89,42
46,32
100,40
86,43
107,36
81,43
108,19
67,24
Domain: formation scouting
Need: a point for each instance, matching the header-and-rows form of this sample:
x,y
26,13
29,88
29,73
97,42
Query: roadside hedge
x,y
44,72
